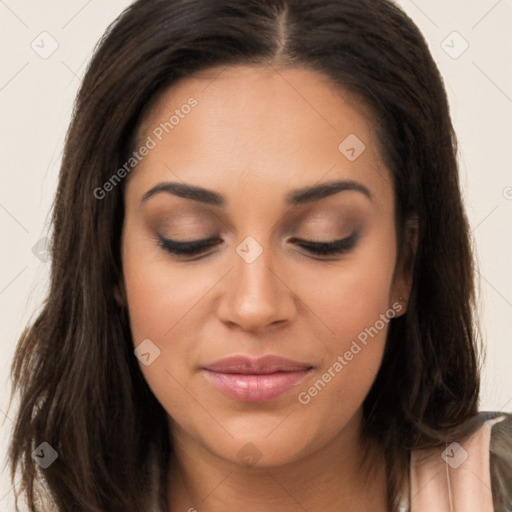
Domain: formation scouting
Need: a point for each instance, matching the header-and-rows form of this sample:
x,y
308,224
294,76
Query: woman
x,y
262,281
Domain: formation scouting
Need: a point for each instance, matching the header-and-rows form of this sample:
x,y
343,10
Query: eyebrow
x,y
293,198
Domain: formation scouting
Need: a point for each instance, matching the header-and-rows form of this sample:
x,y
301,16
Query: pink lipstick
x,y
255,380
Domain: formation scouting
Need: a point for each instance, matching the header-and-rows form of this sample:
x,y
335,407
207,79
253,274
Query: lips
x,y
255,380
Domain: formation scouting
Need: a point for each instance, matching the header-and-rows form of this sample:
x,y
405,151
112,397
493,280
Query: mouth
x,y
255,380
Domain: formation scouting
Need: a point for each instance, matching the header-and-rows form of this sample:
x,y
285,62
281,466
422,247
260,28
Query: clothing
x,y
473,476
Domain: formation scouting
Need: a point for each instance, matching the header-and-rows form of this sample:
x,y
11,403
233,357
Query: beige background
x,y
36,96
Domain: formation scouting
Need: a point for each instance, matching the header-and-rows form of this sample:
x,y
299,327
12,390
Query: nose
x,y
255,296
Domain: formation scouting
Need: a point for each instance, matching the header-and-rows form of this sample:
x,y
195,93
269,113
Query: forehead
x,y
258,126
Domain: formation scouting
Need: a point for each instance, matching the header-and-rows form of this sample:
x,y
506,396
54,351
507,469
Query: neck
x,y
345,474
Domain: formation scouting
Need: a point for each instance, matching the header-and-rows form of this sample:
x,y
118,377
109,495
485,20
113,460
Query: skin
x,y
256,134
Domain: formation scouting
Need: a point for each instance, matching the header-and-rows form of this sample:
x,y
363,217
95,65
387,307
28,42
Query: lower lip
x,y
255,388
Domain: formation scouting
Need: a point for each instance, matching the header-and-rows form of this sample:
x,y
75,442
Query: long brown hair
x,y
80,386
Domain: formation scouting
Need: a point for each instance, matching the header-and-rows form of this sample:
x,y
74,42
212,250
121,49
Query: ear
x,y
120,294
402,283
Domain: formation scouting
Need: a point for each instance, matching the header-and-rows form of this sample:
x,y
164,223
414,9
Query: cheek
x,y
353,301
349,295
167,309
158,303
159,298
358,318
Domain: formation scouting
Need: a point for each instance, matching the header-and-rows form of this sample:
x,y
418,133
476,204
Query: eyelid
x,y
197,247
191,247
332,247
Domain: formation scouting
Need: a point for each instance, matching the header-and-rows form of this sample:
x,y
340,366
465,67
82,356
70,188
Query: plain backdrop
x,y
45,47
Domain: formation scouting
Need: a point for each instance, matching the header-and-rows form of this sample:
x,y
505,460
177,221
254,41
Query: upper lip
x,y
262,365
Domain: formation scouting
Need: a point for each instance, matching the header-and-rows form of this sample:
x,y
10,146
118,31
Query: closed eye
x,y
191,248
329,248
196,247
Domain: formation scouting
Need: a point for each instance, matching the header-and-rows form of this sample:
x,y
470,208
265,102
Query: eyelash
x,y
196,247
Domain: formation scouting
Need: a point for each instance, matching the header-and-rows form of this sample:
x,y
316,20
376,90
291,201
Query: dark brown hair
x,y
80,386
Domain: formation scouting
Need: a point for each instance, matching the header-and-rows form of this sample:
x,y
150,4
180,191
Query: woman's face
x,y
256,140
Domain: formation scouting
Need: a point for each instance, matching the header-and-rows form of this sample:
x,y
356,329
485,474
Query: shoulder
x,y
472,473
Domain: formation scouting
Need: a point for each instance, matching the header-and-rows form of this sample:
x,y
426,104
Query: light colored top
x,y
473,476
